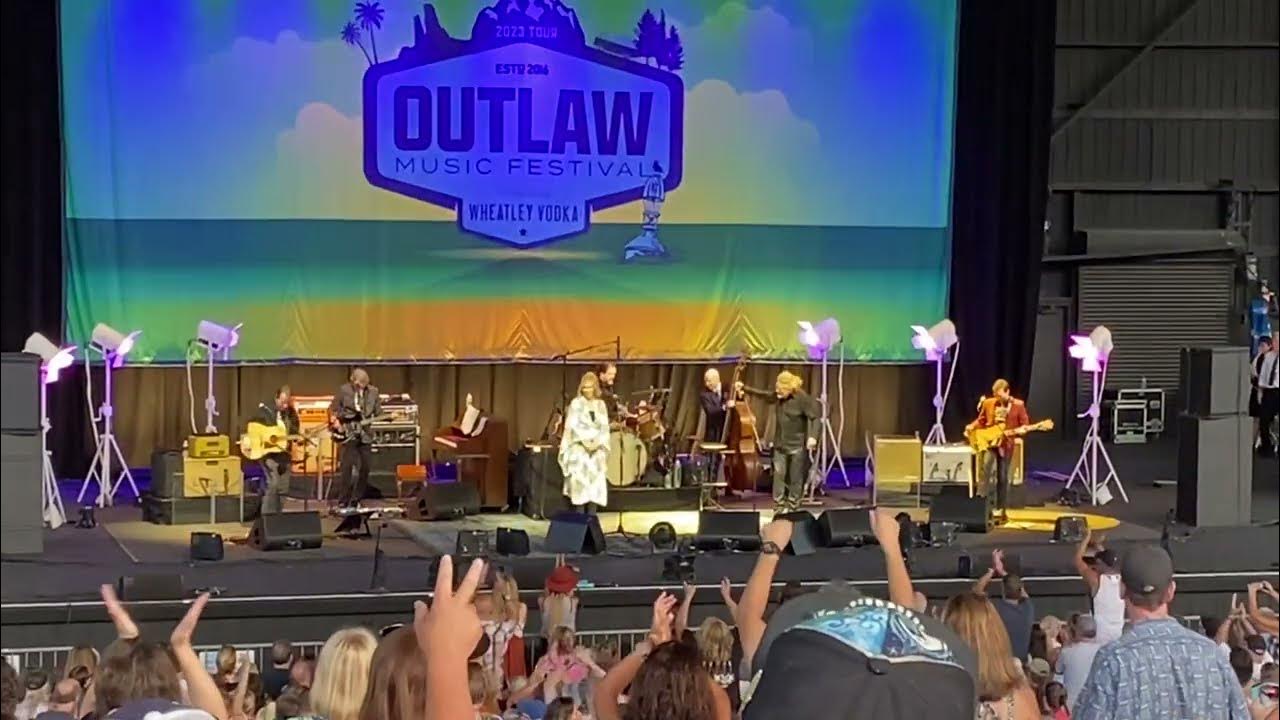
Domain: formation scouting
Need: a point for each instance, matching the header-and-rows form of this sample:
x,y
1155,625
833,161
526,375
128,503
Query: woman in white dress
x,y
584,447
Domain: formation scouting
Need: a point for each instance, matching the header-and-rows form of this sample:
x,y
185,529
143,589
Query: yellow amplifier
x,y
897,461
208,446
202,477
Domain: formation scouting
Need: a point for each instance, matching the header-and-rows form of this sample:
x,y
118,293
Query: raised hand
x,y
777,532
997,561
184,630
885,528
450,628
689,591
726,590
126,628
1268,589
663,617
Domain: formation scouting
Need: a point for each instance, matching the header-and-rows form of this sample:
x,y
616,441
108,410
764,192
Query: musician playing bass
x,y
276,465
1007,410
795,435
354,402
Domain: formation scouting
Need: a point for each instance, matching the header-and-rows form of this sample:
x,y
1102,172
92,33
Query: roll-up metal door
x,y
1153,309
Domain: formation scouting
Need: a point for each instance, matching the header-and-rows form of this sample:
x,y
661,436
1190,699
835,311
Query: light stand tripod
x,y
51,502
106,446
828,454
1086,469
937,435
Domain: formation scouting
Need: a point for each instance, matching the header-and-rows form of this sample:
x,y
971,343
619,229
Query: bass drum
x,y
628,457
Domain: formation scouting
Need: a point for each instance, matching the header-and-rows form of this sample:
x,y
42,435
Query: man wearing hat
x,y
1159,669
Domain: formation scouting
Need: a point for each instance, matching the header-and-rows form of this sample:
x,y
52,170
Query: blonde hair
x,y
562,639
715,642
974,619
342,674
589,378
790,380
226,660
81,656
558,610
999,385
479,685
506,597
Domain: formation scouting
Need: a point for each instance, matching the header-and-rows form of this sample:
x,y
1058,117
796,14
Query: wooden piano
x,y
479,447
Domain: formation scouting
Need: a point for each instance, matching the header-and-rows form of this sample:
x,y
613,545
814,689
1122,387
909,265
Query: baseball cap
x,y
1146,569
1108,558
836,654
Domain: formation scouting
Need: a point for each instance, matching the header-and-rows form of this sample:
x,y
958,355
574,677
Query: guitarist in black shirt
x,y
353,405
277,465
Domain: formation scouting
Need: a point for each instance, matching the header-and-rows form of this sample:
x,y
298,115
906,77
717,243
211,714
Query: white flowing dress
x,y
585,472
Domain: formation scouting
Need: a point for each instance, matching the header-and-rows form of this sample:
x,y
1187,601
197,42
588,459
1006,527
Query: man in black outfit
x,y
277,465
355,401
795,435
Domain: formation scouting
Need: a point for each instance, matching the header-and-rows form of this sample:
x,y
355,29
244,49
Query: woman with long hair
x,y
559,600
1003,690
342,674
503,616
397,687
584,447
563,671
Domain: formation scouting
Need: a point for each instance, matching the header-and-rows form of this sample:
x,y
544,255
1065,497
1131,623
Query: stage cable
x,y
191,393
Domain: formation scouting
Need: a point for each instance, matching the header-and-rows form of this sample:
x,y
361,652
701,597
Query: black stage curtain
x,y
1004,89
1004,102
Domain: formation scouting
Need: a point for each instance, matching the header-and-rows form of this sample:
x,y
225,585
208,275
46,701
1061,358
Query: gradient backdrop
x,y
214,170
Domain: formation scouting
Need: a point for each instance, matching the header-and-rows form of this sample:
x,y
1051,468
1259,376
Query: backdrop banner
x,y
464,180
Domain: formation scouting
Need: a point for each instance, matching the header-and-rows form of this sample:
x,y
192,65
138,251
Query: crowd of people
x,y
832,653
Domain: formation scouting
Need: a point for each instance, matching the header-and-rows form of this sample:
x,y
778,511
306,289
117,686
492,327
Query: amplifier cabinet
x,y
212,476
898,461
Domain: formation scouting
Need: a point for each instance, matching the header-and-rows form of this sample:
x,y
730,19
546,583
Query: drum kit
x,y
639,450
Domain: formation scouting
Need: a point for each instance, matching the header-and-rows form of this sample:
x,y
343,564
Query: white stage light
x,y
935,342
218,338
52,358
112,343
1093,351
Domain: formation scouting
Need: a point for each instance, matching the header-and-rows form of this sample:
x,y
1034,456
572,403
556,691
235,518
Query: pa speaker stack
x,y
728,530
1215,439
287,531
573,533
953,505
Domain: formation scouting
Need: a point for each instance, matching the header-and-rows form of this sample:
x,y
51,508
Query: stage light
x,y
218,338
935,341
1092,350
52,358
819,338
111,342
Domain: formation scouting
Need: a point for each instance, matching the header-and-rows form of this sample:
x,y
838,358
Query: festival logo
x,y
525,129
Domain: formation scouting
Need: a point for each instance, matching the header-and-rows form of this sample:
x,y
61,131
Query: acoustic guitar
x,y
260,439
981,439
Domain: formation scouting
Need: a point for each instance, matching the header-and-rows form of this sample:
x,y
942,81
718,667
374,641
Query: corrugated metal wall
x,y
1152,310
1161,107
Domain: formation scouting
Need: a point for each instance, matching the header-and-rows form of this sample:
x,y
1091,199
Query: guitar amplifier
x,y
212,476
208,446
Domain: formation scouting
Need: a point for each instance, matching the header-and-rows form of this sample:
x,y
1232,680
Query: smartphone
x,y
1264,694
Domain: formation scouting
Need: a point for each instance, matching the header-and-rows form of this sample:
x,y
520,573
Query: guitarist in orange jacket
x,y
1003,409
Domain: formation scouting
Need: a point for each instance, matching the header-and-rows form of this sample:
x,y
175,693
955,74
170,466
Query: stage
x,y
312,591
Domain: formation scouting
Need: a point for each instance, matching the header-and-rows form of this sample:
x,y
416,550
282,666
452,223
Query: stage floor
x,y
76,561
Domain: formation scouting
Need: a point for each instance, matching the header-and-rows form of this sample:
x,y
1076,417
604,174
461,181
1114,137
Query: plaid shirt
x,y
1159,669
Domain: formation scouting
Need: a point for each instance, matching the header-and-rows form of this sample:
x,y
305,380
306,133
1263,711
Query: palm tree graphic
x,y
369,15
351,36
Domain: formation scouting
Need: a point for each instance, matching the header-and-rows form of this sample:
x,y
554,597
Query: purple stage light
x,y
1092,350
52,358
934,341
820,338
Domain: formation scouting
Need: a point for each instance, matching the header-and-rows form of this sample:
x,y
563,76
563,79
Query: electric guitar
x,y
345,432
981,439
260,439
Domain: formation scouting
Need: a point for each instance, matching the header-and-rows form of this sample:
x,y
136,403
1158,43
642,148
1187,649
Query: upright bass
x,y
742,465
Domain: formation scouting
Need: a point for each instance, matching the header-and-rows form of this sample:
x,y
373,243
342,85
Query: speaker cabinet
x,y
444,501
1215,470
287,531
842,528
159,586
953,505
721,530
572,533
512,541
166,473
806,538
1214,380
206,546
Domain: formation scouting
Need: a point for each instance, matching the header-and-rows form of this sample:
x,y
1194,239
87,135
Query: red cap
x,y
562,580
